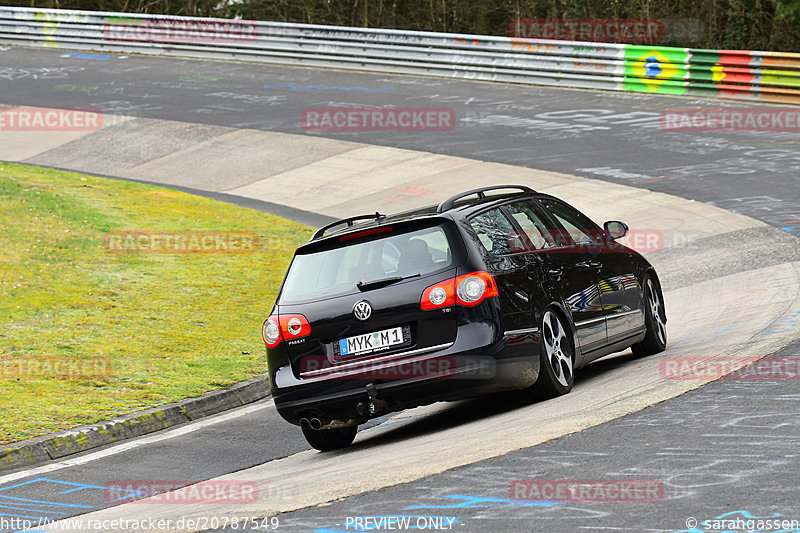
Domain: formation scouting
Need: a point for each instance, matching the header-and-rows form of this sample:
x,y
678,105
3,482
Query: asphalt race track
x,y
608,136
725,450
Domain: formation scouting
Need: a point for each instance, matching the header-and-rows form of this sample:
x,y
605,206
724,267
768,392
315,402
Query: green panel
x,y
647,86
656,69
781,78
704,66
634,52
704,73
704,57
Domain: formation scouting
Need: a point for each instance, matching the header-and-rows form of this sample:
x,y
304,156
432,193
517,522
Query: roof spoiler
x,y
349,221
481,192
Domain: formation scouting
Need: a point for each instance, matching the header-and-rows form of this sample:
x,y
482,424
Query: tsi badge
x,y
362,310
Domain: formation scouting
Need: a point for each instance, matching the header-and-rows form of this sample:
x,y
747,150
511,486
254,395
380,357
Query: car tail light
x,y
467,290
294,326
440,295
271,332
473,288
284,327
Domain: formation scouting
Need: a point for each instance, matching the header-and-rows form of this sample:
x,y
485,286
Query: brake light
x,y
294,326
284,327
473,288
365,233
440,295
467,290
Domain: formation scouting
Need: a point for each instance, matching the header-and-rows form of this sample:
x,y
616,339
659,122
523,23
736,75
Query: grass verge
x,y
87,334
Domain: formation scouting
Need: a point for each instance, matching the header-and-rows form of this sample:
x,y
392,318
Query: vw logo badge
x,y
362,310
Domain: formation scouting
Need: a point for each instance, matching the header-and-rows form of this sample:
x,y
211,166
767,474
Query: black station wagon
x,y
481,293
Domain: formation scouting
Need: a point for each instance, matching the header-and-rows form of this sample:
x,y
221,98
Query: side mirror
x,y
615,229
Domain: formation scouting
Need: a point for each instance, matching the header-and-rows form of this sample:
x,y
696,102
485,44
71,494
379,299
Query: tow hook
x,y
375,405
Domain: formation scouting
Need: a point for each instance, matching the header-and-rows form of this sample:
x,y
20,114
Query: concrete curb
x,y
83,438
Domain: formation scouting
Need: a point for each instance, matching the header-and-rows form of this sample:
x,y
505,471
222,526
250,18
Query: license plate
x,y
377,341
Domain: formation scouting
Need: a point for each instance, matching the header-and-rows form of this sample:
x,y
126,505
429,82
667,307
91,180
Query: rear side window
x,y
579,227
531,219
495,232
337,271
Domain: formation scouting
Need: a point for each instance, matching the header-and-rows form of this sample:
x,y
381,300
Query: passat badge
x,y
362,310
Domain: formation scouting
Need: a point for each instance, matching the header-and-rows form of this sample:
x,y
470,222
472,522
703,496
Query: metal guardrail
x,y
748,75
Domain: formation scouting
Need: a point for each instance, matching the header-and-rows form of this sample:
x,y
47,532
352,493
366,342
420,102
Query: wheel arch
x,y
566,316
651,272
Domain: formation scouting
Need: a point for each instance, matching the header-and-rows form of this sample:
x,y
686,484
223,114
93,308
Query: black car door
x,y
569,267
504,255
610,264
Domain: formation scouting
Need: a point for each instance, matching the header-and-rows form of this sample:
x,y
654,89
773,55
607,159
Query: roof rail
x,y
448,204
349,221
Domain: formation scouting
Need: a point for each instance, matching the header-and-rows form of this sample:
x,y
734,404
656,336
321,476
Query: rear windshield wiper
x,y
378,283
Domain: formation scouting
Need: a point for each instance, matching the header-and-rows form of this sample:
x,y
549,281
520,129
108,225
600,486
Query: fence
x,y
748,75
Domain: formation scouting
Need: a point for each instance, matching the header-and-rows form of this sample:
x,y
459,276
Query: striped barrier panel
x,y
739,74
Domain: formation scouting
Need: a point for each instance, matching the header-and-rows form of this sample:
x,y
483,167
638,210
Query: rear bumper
x,y
480,361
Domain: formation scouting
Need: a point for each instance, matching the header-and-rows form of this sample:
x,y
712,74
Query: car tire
x,y
556,358
330,439
655,319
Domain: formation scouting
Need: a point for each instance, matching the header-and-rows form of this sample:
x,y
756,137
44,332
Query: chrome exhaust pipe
x,y
304,423
316,423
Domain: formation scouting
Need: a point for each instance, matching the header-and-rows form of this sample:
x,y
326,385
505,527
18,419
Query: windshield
x,y
338,271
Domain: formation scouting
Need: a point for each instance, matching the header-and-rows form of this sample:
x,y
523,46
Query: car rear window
x,y
337,271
